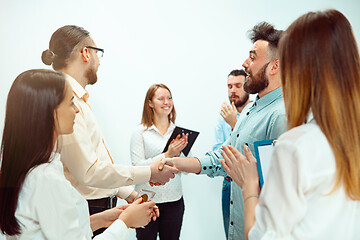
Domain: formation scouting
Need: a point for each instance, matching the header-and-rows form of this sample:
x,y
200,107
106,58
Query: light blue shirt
x,y
222,132
263,119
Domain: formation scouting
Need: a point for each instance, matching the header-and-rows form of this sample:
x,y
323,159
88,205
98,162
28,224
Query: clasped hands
x,y
161,173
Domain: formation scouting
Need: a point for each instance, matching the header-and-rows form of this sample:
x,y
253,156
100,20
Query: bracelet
x,y
252,196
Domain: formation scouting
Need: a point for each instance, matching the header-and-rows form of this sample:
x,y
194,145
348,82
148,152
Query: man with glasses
x,y
88,164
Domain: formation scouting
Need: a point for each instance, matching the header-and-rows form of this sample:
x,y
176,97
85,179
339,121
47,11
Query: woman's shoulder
x,y
51,171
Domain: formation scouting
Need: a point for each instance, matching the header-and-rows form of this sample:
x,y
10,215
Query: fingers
x,y
249,156
225,166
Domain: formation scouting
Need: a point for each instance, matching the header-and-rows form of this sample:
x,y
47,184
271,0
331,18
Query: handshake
x,y
162,170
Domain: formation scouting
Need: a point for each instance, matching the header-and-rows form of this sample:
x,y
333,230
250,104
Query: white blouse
x,y
49,207
146,146
295,202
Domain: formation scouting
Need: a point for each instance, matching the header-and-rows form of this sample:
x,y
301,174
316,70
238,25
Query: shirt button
x,y
255,103
237,135
210,167
247,113
232,223
231,202
204,168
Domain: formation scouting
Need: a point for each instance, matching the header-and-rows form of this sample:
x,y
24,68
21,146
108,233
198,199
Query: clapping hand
x,y
177,145
242,169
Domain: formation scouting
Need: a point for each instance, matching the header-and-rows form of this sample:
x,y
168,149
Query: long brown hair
x,y
28,137
320,70
148,113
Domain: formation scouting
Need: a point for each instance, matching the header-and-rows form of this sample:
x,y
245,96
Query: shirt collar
x,y
171,127
268,98
79,91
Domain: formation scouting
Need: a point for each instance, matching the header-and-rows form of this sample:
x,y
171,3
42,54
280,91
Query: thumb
x,y
138,201
162,164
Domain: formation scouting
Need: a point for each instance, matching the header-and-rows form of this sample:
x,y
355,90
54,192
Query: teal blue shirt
x,y
259,120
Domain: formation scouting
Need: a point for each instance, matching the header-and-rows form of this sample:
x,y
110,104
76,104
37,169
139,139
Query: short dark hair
x,y
237,72
267,32
28,137
62,43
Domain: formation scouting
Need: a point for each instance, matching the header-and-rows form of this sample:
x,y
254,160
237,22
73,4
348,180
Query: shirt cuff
x,y
124,192
117,230
141,174
206,165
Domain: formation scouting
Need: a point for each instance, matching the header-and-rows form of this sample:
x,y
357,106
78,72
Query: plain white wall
x,y
190,45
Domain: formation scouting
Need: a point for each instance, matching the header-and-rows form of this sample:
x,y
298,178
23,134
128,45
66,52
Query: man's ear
x,y
274,67
85,55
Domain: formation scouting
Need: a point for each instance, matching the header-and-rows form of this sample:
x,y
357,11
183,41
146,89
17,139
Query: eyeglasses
x,y
99,51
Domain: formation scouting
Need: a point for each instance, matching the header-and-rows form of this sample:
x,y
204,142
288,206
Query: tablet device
x,y
191,139
263,152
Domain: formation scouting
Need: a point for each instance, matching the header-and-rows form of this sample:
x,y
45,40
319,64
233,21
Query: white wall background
x,y
190,45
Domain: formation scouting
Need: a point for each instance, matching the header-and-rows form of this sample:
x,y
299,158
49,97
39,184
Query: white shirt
x,y
295,201
145,147
88,165
49,207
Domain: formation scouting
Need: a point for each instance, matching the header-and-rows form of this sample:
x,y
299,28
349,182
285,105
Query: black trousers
x,y
100,205
168,225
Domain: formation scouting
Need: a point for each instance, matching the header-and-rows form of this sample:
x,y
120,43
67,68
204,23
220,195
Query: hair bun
x,y
47,57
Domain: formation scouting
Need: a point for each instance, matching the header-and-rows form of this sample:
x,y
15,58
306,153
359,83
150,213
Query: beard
x,y
257,82
91,75
240,101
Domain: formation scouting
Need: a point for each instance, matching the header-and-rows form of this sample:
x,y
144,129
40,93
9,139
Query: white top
x,y
50,208
145,147
295,201
88,164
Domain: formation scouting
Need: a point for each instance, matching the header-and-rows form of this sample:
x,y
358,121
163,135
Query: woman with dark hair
x,y
36,200
312,190
147,144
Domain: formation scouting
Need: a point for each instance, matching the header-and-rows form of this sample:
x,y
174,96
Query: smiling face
x,y
256,66
65,113
162,102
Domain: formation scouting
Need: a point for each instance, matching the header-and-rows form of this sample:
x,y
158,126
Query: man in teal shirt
x,y
260,120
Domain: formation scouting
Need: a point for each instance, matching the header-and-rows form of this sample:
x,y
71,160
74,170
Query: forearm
x,y
186,164
96,221
249,213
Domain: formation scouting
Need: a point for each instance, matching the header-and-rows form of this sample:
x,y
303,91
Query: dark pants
x,y
168,225
100,206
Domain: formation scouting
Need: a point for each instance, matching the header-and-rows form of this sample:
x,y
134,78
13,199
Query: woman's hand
x,y
241,169
139,214
106,218
176,146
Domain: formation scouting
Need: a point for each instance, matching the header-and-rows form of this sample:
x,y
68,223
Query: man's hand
x,y
229,113
131,197
160,177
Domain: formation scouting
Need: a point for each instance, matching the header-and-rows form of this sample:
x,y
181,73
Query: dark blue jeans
x,y
226,190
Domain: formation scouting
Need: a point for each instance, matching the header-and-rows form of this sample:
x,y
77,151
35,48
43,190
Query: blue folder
x,y
257,146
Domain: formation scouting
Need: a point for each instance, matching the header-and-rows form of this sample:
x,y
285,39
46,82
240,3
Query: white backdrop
x,y
190,45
